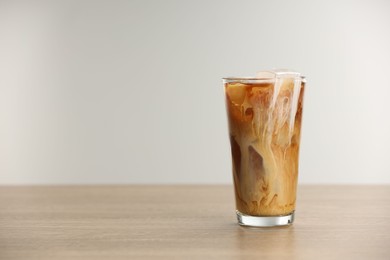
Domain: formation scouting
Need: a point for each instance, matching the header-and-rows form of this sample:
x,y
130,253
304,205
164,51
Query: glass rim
x,y
257,80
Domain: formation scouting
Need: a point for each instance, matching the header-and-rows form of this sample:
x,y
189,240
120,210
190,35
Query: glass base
x,y
264,221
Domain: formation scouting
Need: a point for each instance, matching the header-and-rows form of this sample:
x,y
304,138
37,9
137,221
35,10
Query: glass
x,y
264,116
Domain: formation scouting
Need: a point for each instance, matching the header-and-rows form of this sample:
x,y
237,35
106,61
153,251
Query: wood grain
x,y
188,222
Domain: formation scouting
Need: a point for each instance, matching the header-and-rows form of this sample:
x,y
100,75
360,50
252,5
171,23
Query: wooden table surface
x,y
188,222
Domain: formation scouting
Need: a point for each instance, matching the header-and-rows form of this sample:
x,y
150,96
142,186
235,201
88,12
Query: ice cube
x,y
236,92
255,163
278,73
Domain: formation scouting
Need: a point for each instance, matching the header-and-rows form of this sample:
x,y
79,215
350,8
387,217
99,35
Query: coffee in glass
x,y
264,116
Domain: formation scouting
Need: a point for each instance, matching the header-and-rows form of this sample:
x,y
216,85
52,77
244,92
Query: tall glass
x,y
265,115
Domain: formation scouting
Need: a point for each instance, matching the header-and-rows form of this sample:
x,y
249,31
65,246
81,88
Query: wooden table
x,y
188,222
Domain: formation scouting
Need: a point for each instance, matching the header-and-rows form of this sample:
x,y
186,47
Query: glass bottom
x,y
264,221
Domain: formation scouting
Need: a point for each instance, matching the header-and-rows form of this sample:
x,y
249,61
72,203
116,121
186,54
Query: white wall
x,y
130,91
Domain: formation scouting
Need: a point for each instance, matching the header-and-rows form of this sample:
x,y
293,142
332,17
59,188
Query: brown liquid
x,y
264,125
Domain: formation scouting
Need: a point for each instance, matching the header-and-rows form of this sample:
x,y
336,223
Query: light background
x,y
130,91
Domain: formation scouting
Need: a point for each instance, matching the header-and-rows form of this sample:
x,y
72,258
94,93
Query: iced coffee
x,y
264,116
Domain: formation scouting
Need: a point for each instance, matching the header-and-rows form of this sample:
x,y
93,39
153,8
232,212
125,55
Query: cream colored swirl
x,y
264,123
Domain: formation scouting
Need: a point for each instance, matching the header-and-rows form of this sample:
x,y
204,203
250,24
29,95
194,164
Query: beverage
x,y
265,115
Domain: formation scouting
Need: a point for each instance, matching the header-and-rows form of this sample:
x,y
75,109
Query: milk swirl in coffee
x,y
264,115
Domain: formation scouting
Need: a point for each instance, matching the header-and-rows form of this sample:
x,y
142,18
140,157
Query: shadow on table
x,y
270,240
